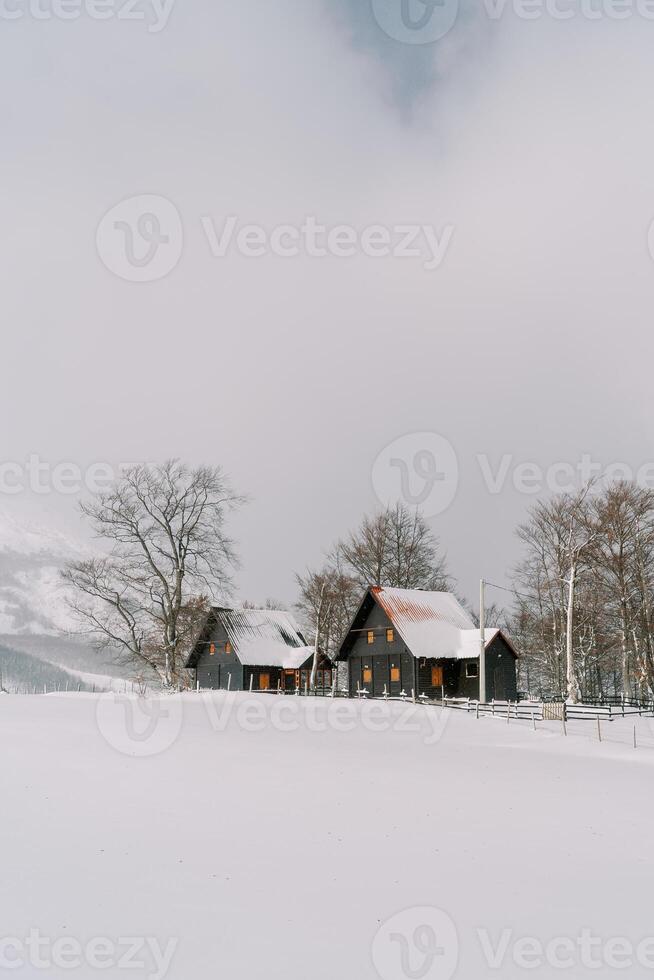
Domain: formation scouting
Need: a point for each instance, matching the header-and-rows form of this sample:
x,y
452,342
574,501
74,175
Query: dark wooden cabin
x,y
261,649
404,640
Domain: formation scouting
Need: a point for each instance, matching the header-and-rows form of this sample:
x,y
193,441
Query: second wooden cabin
x,y
404,640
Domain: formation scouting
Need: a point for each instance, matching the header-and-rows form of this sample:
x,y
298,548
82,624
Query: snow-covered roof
x,y
432,624
265,637
259,637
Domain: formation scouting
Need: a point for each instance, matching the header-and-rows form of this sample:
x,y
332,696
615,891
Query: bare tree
x,y
165,526
326,606
394,548
559,534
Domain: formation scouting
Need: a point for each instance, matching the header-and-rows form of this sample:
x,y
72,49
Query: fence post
x,y
599,728
533,720
508,712
563,719
477,712
413,694
251,680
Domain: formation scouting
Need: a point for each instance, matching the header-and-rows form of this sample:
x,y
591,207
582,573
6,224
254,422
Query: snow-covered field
x,y
252,837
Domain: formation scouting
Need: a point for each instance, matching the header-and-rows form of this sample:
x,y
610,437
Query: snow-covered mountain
x,y
36,624
32,595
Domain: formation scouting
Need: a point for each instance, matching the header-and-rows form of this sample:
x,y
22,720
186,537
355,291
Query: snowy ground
x,y
252,837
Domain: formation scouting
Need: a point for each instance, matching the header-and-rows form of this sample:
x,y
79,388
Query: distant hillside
x,y
22,674
35,620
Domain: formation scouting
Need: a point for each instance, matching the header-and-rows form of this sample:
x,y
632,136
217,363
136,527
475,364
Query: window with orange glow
x,y
395,675
390,636
371,636
367,675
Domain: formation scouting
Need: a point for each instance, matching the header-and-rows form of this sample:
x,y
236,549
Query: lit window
x,y
328,678
390,636
371,636
437,677
395,675
472,670
228,647
212,649
367,675
264,682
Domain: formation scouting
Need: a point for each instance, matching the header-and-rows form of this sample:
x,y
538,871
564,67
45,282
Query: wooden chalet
x,y
258,649
404,640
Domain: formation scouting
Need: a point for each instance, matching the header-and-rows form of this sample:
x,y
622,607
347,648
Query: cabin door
x,y
499,682
381,677
395,674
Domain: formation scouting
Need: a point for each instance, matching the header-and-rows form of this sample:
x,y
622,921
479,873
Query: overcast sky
x,y
525,147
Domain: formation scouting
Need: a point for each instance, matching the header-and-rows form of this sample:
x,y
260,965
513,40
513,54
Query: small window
x,y
437,677
328,678
395,675
212,649
472,670
367,675
264,682
228,647
371,636
390,635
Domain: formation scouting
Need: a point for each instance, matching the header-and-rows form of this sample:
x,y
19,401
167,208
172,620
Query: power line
x,y
503,588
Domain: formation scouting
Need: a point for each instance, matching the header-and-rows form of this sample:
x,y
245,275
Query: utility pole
x,y
482,644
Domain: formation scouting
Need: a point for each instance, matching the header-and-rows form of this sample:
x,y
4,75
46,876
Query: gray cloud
x,y
531,340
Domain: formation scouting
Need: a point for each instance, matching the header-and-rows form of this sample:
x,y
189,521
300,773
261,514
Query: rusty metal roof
x,y
432,624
